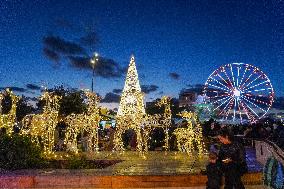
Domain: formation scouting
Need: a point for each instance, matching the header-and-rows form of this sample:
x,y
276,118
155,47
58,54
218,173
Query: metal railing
x,y
266,149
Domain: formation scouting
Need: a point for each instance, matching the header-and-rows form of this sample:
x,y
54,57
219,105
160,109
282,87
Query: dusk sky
x,y
175,43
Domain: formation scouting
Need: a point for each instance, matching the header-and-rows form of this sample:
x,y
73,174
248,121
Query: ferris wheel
x,y
239,92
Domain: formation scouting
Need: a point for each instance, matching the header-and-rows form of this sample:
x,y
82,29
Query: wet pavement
x,y
154,168
151,163
165,163
253,164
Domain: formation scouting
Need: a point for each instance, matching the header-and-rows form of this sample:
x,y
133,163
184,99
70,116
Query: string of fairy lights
x,y
131,109
131,115
41,127
151,122
190,138
85,123
8,121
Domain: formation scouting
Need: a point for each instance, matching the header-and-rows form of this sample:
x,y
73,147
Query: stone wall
x,y
90,181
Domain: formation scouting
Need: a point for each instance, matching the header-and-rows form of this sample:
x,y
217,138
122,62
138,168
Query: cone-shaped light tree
x,y
131,102
131,108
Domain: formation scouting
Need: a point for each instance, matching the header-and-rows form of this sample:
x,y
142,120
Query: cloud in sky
x,y
174,75
111,97
58,49
51,55
17,89
33,86
90,39
108,68
105,67
62,46
117,91
80,62
149,88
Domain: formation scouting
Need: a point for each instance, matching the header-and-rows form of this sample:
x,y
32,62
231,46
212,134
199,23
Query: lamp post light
x,y
94,60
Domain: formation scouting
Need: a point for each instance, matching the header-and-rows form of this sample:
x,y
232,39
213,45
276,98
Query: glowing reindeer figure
x,y
33,124
41,127
167,118
150,122
85,122
51,123
1,99
158,121
188,138
8,120
93,119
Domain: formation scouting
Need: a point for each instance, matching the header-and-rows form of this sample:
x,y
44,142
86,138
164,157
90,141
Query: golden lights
x,y
8,121
190,138
86,123
131,109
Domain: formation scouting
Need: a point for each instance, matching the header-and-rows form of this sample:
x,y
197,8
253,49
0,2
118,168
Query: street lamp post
x,y
94,60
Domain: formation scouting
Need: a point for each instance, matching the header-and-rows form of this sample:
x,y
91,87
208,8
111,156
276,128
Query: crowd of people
x,y
272,131
227,151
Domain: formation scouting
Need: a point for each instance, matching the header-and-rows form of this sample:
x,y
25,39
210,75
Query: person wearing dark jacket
x,y
214,173
232,159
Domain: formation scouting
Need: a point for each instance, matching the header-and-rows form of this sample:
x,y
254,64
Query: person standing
x,y
213,172
232,158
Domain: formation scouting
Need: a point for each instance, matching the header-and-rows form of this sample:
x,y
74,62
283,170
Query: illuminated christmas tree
x,y
131,108
131,102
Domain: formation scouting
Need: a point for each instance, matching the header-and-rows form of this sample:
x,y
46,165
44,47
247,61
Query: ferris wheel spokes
x,y
222,103
219,96
257,100
243,76
233,78
230,108
251,109
241,86
241,118
258,90
235,106
222,78
220,83
247,112
231,84
238,76
221,99
245,86
218,87
253,104
226,106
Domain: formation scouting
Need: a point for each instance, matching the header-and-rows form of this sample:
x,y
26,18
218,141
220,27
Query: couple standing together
x,y
230,162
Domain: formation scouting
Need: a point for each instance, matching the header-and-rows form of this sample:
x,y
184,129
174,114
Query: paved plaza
x,y
150,163
155,169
